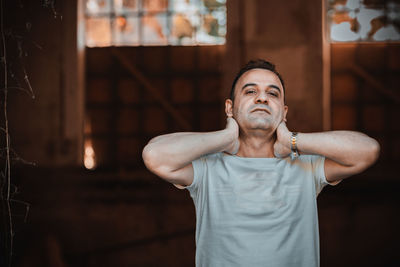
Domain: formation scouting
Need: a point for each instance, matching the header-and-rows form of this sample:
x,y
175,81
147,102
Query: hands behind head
x,y
282,144
233,128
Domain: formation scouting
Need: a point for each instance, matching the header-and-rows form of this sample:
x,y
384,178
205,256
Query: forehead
x,y
261,77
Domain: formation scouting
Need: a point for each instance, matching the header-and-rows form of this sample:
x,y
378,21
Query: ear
x,y
228,108
286,108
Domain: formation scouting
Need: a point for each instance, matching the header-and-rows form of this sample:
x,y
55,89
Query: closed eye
x,y
250,91
273,94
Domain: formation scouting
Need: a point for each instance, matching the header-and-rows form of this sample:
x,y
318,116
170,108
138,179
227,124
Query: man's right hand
x,y
233,128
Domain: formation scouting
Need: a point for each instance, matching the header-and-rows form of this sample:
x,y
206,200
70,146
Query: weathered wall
x,y
289,34
123,110
47,130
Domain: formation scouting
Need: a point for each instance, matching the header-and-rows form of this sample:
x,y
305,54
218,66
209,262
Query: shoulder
x,y
212,156
194,172
310,158
207,159
305,160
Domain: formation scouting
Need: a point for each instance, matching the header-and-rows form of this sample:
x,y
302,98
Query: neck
x,y
257,145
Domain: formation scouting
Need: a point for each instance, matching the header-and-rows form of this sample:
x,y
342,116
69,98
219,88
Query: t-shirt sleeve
x,y
199,168
317,163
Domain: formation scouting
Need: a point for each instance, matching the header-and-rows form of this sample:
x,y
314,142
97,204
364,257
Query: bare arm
x,y
346,152
170,156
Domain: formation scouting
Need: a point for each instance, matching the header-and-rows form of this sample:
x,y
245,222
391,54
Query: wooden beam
x,y
379,86
154,92
326,74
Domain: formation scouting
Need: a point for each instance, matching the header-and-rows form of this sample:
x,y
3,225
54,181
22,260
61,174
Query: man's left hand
x,y
282,143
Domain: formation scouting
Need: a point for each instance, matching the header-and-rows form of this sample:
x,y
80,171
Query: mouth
x,y
261,110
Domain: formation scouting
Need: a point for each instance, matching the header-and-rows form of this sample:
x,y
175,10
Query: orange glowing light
x,y
89,159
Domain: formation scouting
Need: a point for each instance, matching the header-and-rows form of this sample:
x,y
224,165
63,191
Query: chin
x,y
260,122
261,126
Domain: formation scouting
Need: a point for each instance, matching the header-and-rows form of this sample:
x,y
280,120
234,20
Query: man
x,y
254,184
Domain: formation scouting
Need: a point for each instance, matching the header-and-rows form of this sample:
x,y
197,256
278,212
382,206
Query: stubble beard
x,y
257,122
260,123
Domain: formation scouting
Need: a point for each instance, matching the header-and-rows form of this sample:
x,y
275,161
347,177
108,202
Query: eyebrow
x,y
253,84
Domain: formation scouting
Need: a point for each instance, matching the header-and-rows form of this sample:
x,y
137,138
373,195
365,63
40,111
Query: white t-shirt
x,y
257,211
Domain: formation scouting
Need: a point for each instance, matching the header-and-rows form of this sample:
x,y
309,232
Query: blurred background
x,y
90,82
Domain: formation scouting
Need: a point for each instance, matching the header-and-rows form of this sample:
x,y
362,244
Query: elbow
x,y
149,157
367,158
371,154
150,154
374,152
153,161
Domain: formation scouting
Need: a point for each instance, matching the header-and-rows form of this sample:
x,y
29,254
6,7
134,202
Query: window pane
x,y
154,6
211,31
182,30
184,6
356,20
154,30
98,32
98,6
126,6
211,5
126,30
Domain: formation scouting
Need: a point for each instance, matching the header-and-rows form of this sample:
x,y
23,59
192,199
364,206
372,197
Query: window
x,y
363,20
155,22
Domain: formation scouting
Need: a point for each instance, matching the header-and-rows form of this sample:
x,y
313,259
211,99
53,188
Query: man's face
x,y
259,101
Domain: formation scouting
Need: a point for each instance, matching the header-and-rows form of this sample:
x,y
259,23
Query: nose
x,y
261,98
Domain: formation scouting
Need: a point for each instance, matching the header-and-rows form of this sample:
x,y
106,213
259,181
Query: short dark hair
x,y
255,64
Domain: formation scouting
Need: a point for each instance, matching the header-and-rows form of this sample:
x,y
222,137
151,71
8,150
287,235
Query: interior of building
x,y
80,100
